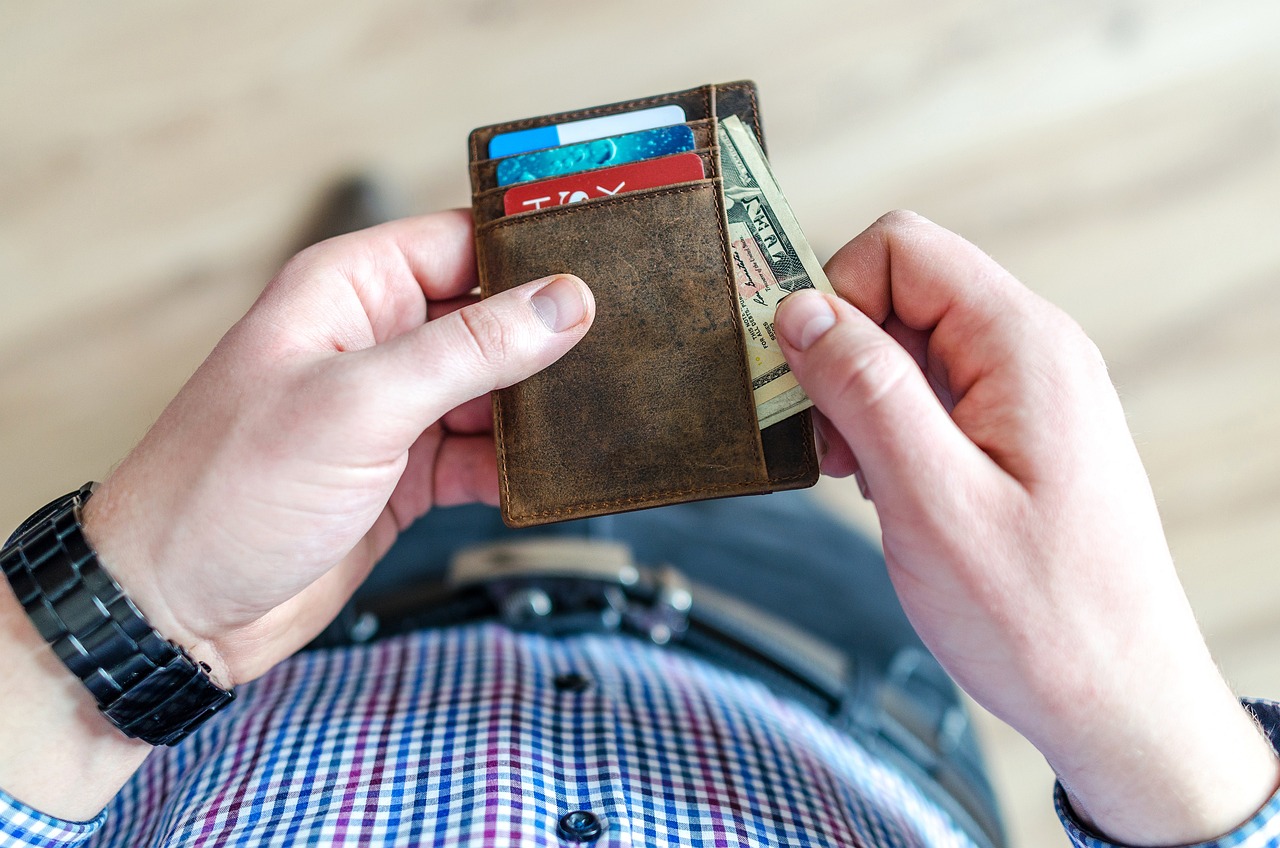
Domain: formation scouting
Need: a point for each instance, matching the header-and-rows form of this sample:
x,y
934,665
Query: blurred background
x,y
159,161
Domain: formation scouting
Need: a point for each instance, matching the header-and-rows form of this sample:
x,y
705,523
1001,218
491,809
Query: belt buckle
x,y
558,586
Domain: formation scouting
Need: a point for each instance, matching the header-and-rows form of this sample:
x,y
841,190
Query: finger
x,y
876,397
933,280
466,471
471,418
836,459
414,494
440,308
359,289
1003,360
908,265
439,250
916,343
445,470
413,380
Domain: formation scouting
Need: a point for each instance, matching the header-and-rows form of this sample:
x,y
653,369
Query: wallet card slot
x,y
484,171
696,102
654,405
587,436
703,132
490,205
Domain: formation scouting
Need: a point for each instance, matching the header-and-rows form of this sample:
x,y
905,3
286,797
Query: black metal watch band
x,y
147,686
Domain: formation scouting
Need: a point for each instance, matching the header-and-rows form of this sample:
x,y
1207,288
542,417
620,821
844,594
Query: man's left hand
x,y
346,403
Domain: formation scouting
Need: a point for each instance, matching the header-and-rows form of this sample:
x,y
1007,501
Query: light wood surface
x,y
1121,156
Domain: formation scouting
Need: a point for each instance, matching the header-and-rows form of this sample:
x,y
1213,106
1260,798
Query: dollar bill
x,y
771,259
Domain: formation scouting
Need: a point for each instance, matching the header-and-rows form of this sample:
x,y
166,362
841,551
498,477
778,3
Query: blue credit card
x,y
588,129
601,153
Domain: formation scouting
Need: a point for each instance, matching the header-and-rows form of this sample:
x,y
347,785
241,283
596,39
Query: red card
x,y
620,179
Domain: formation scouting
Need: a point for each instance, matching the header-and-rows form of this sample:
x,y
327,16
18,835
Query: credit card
x,y
621,179
589,129
601,153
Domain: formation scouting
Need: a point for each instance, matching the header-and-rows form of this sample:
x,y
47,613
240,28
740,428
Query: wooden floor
x,y
1121,156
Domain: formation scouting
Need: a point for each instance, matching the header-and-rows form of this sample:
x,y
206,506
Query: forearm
x,y
61,756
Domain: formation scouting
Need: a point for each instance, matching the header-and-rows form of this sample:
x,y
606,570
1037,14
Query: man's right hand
x,y
1020,529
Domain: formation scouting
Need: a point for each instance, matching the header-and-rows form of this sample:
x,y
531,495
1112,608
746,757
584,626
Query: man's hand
x,y
1020,530
349,400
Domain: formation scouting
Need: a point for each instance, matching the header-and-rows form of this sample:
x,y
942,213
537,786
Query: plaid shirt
x,y
480,736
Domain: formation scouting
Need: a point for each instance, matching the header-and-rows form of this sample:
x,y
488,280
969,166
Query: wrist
x,y
81,646
120,537
61,755
1184,765
1230,790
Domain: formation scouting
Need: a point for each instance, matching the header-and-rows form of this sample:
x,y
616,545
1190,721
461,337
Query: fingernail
x,y
560,304
803,318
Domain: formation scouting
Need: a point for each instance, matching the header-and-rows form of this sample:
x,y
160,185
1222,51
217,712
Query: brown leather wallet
x,y
655,405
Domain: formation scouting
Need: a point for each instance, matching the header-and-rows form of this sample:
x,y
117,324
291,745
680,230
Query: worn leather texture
x,y
654,406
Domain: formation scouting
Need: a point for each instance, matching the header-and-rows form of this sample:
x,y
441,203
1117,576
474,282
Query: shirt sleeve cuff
x,y
1262,829
24,827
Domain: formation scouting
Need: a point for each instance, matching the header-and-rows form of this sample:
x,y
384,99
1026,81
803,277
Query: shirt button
x,y
572,682
580,826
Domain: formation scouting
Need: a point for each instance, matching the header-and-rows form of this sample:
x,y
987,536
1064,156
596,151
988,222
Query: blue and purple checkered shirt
x,y
480,736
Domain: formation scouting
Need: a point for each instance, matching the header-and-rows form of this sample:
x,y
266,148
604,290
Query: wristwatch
x,y
145,685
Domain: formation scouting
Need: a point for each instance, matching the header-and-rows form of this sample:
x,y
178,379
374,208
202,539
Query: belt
x,y
562,586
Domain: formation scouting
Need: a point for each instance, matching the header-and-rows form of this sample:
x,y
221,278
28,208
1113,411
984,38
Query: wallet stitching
x,y
485,170
799,475
574,508
491,226
810,453
755,105
578,507
810,466
475,159
593,111
699,125
616,200
742,363
590,203
704,153
744,372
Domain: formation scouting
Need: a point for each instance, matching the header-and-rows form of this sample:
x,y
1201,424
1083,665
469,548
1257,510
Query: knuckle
x,y
301,274
872,372
1073,338
305,261
1091,360
910,232
1066,364
487,336
1077,335
903,220
899,218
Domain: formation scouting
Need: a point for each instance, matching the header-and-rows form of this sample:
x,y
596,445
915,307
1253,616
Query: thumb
x,y
876,397
489,345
